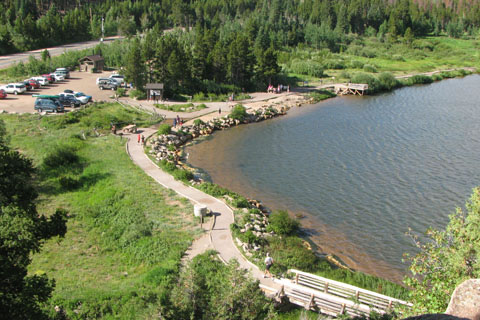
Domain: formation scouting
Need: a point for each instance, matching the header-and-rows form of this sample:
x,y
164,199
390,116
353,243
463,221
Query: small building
x,y
89,62
154,91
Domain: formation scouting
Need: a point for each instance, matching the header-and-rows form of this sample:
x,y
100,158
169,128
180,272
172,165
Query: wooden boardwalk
x,y
334,298
350,88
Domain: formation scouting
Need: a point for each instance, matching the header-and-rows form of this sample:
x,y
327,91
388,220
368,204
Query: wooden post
x,y
296,279
309,305
326,287
342,309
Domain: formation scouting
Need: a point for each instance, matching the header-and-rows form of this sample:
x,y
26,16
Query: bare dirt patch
x,y
79,81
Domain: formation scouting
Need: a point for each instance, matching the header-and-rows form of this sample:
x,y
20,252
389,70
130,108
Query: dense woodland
x,y
29,24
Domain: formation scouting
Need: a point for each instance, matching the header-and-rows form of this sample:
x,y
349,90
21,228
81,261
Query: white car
x,y
42,80
14,88
119,79
57,76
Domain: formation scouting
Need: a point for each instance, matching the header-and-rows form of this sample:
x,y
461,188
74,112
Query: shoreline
x,y
287,101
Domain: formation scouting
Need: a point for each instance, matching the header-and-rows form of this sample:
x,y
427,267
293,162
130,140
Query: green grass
x,y
126,234
187,107
424,55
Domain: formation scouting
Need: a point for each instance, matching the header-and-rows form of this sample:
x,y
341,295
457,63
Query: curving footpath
x,y
220,236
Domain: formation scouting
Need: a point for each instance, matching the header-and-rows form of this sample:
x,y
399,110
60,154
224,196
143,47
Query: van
x,y
119,79
63,72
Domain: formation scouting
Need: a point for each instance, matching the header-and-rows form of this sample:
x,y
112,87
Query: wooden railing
x,y
379,302
322,302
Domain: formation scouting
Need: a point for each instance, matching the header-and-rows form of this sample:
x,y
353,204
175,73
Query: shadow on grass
x,y
68,183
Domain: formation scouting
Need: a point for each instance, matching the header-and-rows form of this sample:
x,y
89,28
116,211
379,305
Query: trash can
x,y
199,210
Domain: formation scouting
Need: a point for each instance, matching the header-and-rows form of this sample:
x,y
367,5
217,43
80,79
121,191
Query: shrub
x,y
388,81
121,92
334,64
355,64
137,94
240,202
418,79
369,68
290,252
182,175
164,129
239,112
198,122
61,156
373,83
282,224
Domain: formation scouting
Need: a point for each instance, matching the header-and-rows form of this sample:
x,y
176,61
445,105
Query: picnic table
x,y
130,129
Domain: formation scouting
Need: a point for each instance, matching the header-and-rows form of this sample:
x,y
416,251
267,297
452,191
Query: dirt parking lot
x,y
79,81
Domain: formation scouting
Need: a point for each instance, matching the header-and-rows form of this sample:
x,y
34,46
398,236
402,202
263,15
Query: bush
x,y
355,64
121,92
373,83
369,68
282,224
182,175
137,94
290,252
198,122
388,81
164,129
61,156
239,112
418,79
321,95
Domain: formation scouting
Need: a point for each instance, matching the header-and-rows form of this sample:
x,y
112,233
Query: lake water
x,y
362,170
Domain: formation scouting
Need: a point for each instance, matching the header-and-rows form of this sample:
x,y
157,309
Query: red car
x,y
33,83
3,94
49,78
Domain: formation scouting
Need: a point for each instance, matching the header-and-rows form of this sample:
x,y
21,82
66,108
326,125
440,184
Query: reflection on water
x,y
361,169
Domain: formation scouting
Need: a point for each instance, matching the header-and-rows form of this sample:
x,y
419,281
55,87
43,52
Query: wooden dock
x,y
333,298
350,88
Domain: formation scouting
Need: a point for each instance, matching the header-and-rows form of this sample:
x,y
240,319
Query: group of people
x,y
141,138
177,121
278,89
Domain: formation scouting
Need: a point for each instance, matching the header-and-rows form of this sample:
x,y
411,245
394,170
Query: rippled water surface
x,y
361,169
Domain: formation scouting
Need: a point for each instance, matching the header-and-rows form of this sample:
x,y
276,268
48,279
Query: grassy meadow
x,y
126,234
370,55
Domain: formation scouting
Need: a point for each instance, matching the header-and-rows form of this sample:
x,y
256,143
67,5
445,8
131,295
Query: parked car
x,y
119,79
3,94
48,105
69,101
27,84
101,79
66,101
64,72
108,84
34,83
57,77
42,80
49,78
83,98
14,88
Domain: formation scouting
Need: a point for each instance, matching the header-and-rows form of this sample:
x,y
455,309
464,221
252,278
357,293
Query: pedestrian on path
x,y
138,139
143,140
268,265
174,122
220,110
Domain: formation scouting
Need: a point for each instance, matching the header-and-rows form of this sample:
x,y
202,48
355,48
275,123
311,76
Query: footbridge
x,y
334,298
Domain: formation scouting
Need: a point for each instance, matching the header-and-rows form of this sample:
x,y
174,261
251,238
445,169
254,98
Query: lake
x,y
361,170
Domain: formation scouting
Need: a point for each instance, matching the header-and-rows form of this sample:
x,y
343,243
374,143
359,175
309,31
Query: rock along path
x,y
220,236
